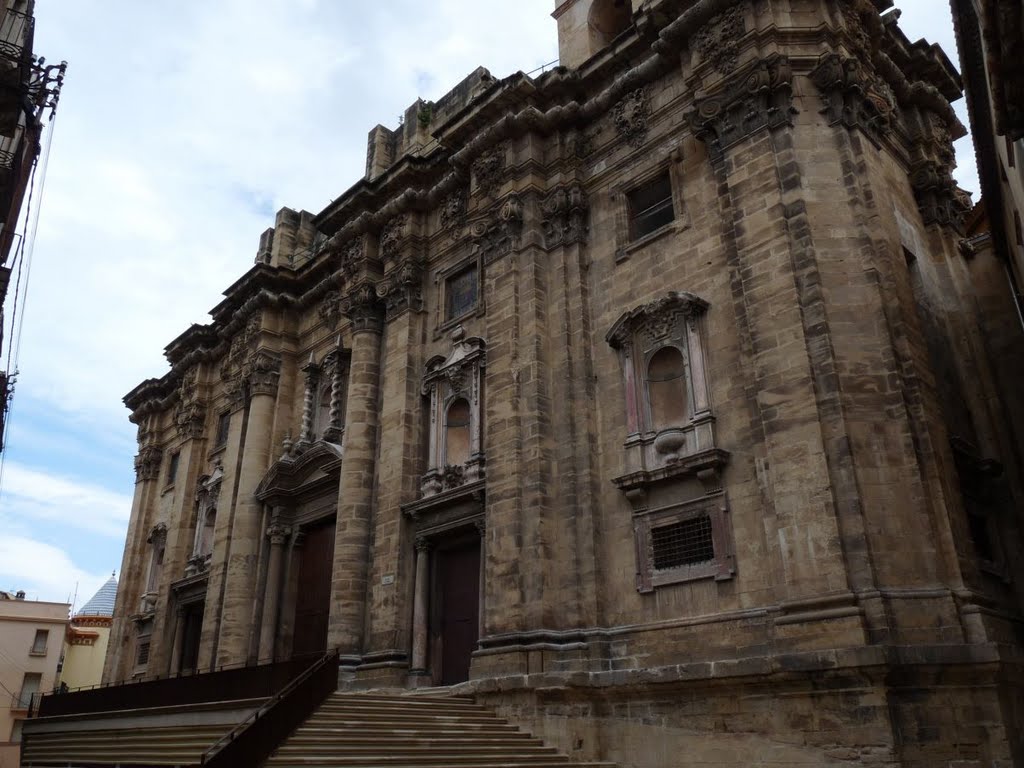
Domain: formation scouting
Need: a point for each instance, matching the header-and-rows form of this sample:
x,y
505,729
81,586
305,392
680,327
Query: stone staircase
x,y
374,731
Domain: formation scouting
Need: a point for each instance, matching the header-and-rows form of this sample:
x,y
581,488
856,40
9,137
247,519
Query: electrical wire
x,y
23,257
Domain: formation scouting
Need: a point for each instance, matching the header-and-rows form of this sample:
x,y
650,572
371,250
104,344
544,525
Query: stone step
x,y
424,749
340,737
399,710
413,731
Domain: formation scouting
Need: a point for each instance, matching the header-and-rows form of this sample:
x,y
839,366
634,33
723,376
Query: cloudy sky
x,y
181,129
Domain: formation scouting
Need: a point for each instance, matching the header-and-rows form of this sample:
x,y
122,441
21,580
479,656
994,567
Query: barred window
x,y
461,293
687,542
142,656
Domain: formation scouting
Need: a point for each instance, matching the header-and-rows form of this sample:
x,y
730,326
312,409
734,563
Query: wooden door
x,y
190,634
459,587
313,601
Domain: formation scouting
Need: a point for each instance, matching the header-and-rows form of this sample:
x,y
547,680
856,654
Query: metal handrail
x,y
215,751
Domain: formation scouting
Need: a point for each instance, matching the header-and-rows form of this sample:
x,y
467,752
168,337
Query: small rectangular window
x,y
142,656
223,424
460,293
687,542
39,644
650,207
172,468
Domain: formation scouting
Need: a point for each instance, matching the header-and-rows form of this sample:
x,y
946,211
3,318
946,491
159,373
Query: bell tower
x,y
587,26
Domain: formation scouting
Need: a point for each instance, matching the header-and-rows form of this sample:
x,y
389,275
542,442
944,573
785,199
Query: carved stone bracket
x,y
564,216
498,234
717,41
759,98
393,237
402,289
489,170
939,198
453,213
329,311
630,117
363,308
853,96
352,258
147,463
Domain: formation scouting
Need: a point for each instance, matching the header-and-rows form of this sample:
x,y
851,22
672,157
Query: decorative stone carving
x,y
453,213
498,234
853,96
363,308
402,289
329,310
564,216
158,535
190,418
393,236
718,40
243,344
939,198
457,376
761,97
351,258
657,320
630,117
147,463
489,170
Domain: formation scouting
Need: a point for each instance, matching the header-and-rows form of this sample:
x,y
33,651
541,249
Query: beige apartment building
x,y
655,401
31,637
87,638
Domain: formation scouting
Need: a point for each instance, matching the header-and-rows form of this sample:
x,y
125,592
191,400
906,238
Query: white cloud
x,y
41,500
44,572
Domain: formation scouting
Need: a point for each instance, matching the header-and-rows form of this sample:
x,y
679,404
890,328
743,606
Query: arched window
x,y
608,19
457,433
666,388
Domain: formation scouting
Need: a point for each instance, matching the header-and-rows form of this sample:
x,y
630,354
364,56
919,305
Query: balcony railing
x,y
15,33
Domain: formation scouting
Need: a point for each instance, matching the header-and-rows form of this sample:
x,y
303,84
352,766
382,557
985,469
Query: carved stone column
x,y
277,534
421,595
355,494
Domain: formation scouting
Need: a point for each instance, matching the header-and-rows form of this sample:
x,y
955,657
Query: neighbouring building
x,y
28,89
655,401
85,643
30,647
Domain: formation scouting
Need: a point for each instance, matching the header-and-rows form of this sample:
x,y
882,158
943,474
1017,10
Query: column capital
x,y
277,533
423,544
363,308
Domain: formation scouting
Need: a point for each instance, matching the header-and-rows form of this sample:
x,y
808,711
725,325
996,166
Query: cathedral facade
x,y
645,400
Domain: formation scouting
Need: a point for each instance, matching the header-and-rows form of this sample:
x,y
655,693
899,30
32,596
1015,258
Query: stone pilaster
x,y
355,494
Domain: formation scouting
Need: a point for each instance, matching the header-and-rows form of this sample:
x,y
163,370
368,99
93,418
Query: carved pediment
x,y
289,477
663,318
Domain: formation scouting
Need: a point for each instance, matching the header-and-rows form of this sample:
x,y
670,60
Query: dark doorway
x,y
458,603
313,601
190,634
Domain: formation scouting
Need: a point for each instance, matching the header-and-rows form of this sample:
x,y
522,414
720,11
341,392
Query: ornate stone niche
x,y
207,496
323,409
668,410
157,541
453,384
